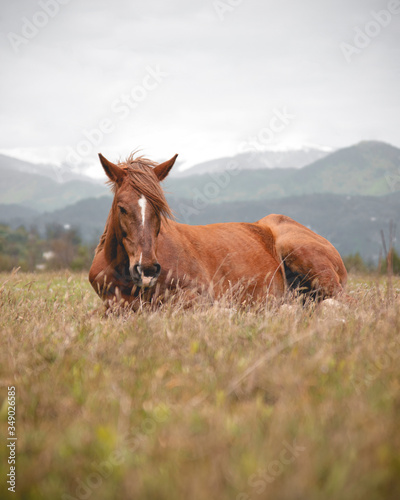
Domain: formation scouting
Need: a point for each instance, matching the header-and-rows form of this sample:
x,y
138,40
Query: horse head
x,y
137,212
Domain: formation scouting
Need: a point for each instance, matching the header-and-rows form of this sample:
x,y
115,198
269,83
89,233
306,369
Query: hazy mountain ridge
x,y
359,169
362,169
351,223
22,184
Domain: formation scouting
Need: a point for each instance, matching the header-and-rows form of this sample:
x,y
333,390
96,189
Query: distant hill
x,y
368,168
60,172
363,169
88,215
17,215
351,223
22,184
360,169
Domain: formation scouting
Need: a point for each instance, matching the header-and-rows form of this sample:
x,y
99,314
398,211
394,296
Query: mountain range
x,y
37,186
367,168
258,160
348,195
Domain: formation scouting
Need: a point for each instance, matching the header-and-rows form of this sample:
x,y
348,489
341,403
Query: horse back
x,y
223,253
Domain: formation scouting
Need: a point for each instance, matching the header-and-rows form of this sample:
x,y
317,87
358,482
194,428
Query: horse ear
x,y
162,170
114,173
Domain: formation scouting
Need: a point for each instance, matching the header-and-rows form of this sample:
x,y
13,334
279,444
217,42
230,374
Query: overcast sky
x,y
204,78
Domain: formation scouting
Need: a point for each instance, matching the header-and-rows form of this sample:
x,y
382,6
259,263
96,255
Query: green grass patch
x,y
207,403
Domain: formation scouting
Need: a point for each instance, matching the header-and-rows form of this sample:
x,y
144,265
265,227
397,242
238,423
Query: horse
x,y
144,255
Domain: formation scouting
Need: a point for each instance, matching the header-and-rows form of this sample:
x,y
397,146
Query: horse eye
x,y
122,210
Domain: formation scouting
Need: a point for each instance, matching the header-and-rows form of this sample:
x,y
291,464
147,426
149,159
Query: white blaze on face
x,y
146,280
142,204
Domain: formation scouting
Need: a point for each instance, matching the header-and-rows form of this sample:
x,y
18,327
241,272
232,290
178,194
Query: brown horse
x,y
144,255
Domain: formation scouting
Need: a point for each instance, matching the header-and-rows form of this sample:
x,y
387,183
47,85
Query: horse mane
x,y
142,179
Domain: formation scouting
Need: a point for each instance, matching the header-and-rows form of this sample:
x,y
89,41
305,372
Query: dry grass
x,y
200,404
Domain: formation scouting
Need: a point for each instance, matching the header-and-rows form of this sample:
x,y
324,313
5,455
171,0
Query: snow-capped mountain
x,y
277,157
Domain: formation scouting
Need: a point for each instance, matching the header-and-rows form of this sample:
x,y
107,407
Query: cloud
x,y
224,77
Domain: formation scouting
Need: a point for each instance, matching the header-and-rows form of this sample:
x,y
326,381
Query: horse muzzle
x,y
145,276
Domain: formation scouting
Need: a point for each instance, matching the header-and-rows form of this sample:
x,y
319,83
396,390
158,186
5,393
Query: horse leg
x,y
308,268
311,262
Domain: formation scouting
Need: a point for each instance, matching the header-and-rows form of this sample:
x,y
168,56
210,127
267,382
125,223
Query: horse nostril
x,y
152,271
158,269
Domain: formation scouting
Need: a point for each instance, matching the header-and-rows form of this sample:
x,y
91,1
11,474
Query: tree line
x,y
62,247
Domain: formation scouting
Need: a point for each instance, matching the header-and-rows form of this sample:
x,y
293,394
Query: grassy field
x,y
209,403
